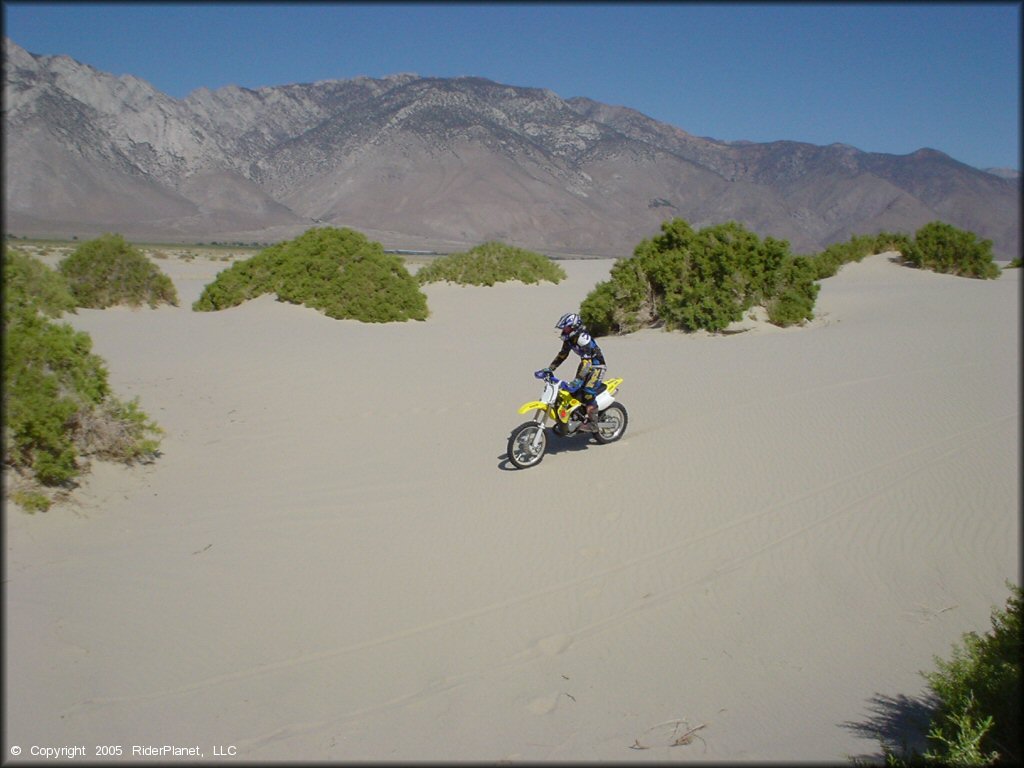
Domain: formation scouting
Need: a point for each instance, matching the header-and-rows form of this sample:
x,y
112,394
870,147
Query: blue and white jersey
x,y
583,344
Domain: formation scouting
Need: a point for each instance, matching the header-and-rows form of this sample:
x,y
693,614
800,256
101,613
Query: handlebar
x,y
549,376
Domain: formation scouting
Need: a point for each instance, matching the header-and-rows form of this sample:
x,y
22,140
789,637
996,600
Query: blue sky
x,y
881,77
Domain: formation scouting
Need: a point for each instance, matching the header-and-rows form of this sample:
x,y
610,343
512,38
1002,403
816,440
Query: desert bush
x,y
892,241
978,694
942,247
794,301
242,281
28,282
56,391
701,279
706,279
828,262
31,501
49,374
490,263
979,691
116,431
337,271
109,271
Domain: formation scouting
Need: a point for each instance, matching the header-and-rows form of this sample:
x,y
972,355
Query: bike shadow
x,y
556,445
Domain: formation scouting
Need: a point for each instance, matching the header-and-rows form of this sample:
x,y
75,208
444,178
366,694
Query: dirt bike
x,y
528,441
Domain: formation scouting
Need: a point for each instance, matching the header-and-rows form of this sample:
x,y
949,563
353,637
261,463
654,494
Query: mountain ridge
x,y
439,162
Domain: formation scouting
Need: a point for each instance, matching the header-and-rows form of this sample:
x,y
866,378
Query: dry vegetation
x,y
52,251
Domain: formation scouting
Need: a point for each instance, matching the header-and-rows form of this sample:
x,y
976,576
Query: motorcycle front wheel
x,y
525,446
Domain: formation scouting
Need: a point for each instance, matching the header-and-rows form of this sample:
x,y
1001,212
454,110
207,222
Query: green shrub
x,y
706,279
626,301
31,501
30,283
109,271
491,263
43,362
49,374
794,302
828,262
892,241
942,247
337,271
978,690
1014,264
835,256
687,279
242,281
55,389
116,431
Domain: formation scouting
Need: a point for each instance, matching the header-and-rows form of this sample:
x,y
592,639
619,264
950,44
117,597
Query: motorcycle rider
x,y
576,338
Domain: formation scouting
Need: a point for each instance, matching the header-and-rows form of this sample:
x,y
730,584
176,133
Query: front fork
x,y
539,417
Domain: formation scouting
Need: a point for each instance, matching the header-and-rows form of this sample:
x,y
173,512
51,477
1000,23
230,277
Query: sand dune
x,y
333,561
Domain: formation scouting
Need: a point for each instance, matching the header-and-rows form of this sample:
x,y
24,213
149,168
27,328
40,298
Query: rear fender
x,y
606,395
612,384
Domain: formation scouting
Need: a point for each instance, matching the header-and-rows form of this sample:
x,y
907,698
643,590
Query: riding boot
x,y
590,422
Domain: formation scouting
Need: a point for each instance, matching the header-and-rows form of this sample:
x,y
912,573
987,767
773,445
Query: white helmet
x,y
568,323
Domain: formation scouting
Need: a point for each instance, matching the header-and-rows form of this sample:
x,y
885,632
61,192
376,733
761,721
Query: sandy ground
x,y
332,560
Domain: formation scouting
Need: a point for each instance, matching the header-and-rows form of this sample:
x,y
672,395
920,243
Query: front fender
x,y
533,406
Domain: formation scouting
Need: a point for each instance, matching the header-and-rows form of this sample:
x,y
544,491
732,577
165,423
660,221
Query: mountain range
x,y
440,164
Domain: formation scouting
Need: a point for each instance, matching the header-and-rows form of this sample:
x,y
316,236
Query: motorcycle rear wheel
x,y
616,419
521,451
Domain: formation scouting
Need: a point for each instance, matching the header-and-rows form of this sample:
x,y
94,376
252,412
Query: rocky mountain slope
x,y
433,163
